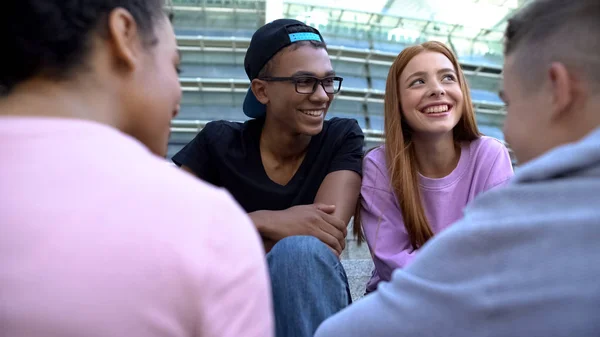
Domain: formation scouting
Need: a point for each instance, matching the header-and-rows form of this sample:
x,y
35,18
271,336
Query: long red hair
x,y
399,150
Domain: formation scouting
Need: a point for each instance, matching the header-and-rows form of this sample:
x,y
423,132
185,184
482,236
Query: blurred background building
x,y
363,38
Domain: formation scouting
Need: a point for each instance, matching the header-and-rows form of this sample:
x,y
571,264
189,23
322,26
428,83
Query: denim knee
x,y
302,248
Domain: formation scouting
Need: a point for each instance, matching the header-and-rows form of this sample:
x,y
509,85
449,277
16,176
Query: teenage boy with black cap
x,y
297,175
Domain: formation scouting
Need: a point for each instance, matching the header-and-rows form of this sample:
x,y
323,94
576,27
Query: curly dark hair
x,y
53,37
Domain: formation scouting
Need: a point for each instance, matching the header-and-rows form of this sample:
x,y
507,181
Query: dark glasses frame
x,y
297,79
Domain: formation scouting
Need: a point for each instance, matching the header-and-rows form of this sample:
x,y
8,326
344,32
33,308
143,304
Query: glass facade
x,y
213,36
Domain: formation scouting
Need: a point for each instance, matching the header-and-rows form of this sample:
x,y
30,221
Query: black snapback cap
x,y
267,41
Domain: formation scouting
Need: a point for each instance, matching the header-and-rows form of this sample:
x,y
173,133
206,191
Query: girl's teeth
x,y
436,109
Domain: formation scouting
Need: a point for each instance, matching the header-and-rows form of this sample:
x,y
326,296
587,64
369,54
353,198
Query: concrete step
x,y
359,273
358,265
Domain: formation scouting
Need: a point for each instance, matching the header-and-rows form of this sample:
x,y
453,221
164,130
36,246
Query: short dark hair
x,y
545,31
267,70
53,37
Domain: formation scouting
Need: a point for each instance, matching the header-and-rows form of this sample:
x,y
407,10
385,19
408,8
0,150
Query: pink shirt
x,y
483,164
98,237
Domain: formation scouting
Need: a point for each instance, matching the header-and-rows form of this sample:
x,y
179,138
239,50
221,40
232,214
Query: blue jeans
x,y
309,284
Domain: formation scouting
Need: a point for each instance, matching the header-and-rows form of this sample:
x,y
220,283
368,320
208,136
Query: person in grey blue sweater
x,y
525,259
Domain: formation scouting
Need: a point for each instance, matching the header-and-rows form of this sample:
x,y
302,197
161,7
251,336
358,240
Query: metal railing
x,y
234,44
371,136
338,17
198,84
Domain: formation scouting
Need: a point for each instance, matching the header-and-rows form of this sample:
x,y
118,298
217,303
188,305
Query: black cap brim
x,y
252,107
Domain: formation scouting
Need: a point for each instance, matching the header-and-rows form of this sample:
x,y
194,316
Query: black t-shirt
x,y
227,154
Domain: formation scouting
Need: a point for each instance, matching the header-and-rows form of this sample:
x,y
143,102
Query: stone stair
x,y
358,265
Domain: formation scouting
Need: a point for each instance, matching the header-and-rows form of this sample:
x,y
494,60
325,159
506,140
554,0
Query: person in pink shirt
x,y
99,235
434,160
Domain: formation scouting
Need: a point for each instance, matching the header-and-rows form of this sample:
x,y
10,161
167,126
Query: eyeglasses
x,y
308,84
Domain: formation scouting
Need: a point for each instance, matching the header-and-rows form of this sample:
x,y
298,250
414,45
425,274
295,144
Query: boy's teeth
x,y
313,112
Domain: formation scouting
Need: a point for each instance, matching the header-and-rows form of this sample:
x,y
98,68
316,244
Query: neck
x,y
282,144
43,98
576,126
573,126
436,157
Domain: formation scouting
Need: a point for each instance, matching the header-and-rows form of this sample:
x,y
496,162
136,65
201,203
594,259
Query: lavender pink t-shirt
x,y
99,238
484,163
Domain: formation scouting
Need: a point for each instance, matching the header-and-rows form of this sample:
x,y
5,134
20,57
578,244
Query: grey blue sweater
x,y
523,261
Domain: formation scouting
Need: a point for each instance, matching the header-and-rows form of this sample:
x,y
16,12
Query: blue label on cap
x,y
304,37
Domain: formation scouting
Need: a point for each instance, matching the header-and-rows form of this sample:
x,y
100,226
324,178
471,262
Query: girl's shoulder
x,y
487,143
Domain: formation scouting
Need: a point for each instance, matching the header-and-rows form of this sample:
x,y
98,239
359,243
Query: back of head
x,y
52,38
109,61
551,75
556,31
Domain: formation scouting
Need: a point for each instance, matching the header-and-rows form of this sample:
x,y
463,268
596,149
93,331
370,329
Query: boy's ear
x,y
259,88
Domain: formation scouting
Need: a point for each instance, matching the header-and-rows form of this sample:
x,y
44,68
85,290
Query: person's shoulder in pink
x,y
433,163
101,238
99,235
